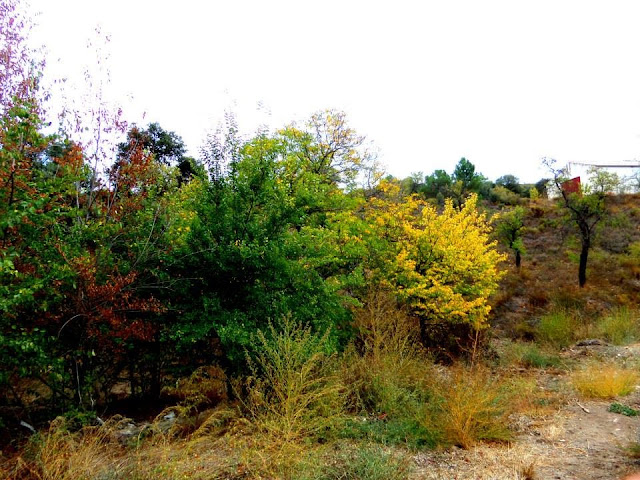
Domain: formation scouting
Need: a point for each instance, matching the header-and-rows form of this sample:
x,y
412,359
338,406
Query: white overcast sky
x,y
502,83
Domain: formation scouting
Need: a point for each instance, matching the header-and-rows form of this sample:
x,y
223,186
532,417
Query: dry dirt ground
x,y
574,445
581,441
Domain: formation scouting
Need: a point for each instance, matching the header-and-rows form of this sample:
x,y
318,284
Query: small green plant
x,y
528,355
75,419
633,450
359,463
623,410
558,328
395,430
620,327
536,358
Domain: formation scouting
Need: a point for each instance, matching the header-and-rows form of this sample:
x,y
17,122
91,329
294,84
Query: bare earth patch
x,y
582,441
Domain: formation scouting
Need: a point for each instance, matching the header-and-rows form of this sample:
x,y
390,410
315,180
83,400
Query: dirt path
x,y
588,445
573,445
582,441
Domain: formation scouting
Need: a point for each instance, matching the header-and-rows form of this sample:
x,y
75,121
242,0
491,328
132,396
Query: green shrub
x,y
503,195
529,355
535,358
394,430
623,410
634,250
620,327
293,392
558,328
534,194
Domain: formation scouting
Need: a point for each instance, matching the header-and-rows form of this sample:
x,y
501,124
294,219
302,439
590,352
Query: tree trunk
x,y
423,332
518,259
582,271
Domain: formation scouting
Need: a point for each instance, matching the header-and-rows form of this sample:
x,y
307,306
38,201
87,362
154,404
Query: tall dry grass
x,y
98,453
605,381
470,405
386,364
294,391
59,454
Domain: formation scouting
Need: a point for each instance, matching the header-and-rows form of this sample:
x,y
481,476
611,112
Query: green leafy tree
x,y
438,185
166,147
602,181
38,177
262,243
413,183
509,227
510,182
76,307
465,172
586,211
466,180
541,185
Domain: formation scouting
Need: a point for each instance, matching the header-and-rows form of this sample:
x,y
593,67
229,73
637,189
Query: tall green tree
x,y
465,181
602,181
438,185
510,182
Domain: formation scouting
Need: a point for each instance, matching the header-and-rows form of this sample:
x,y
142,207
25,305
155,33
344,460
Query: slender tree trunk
x,y
518,259
423,331
582,270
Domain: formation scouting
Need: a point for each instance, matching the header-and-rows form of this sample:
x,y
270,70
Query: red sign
x,y
571,186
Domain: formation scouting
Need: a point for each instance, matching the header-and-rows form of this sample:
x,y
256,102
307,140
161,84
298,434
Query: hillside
x,y
549,276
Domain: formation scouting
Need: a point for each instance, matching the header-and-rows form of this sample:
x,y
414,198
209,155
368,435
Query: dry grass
x,y
384,326
63,455
604,381
509,462
97,453
470,405
388,364
206,386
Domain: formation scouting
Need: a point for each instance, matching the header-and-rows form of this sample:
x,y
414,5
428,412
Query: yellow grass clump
x,y
470,405
604,381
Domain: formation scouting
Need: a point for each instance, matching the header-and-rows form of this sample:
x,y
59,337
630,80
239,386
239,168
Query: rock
x,y
591,342
168,421
130,432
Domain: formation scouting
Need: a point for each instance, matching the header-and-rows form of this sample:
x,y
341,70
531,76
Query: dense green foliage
x,y
143,271
509,227
134,264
